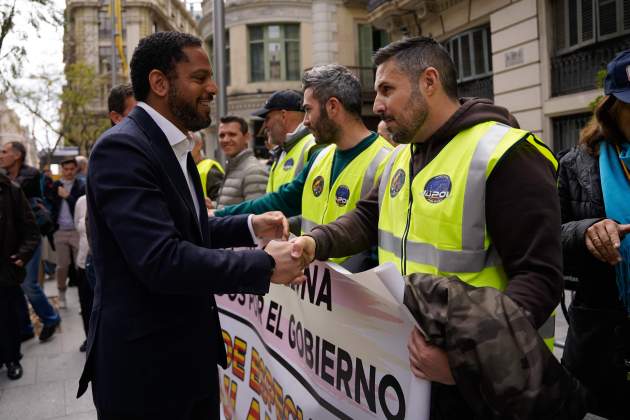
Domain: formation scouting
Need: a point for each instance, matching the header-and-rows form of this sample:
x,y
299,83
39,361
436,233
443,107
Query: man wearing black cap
x,y
283,126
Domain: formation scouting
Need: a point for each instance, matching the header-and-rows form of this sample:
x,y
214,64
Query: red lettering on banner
x,y
255,372
238,358
228,344
254,410
278,399
230,388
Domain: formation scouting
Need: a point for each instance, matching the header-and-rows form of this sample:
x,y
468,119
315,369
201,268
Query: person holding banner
x,y
466,193
155,339
346,170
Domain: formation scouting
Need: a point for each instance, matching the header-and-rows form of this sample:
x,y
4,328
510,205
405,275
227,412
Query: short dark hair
x,y
414,55
158,51
69,161
334,80
117,97
234,119
19,147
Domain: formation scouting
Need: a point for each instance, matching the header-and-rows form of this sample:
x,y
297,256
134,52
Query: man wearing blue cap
x,y
594,186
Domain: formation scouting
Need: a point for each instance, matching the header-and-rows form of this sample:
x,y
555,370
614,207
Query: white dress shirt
x,y
182,145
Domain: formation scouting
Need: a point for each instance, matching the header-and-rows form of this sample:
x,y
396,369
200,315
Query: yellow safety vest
x,y
203,168
323,203
290,163
435,223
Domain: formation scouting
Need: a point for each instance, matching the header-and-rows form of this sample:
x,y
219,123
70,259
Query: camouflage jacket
x,y
501,365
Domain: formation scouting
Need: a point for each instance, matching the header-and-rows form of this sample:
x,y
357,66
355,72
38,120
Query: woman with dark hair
x,y
594,185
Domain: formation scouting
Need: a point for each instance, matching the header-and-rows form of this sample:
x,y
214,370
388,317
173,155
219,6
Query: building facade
x,y
269,44
88,34
11,130
541,59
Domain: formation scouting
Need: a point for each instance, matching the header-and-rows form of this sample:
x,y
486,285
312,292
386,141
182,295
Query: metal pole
x,y
113,63
218,17
219,57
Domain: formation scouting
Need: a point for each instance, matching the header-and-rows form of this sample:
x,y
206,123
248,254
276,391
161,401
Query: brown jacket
x,y
522,214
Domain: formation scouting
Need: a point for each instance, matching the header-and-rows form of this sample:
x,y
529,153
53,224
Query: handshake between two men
x,y
290,257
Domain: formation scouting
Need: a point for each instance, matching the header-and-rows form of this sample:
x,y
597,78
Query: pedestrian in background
x,y
69,189
245,176
210,171
20,239
38,190
594,186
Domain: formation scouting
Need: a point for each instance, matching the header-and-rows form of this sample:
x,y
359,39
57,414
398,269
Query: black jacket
x,y
18,230
78,189
155,339
599,335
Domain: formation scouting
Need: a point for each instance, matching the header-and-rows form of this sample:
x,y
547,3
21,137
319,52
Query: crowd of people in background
x,y
324,163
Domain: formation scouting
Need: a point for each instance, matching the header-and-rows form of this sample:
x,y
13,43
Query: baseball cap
x,y
617,82
289,100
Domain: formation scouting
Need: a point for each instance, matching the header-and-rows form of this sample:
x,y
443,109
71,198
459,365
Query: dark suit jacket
x,y
77,190
154,339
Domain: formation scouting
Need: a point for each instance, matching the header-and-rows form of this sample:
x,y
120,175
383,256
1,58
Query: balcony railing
x,y
566,130
479,88
577,71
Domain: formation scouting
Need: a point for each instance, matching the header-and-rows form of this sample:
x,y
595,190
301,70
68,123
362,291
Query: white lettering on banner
x,y
334,347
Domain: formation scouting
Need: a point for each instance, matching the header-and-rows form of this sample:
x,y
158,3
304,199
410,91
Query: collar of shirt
x,y
179,141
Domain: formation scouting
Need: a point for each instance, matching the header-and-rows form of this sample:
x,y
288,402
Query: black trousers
x,y
204,409
11,298
86,298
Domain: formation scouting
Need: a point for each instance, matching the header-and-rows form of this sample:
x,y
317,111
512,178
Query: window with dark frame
x,y
470,51
579,23
274,52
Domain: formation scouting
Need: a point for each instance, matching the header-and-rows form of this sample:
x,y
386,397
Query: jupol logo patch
x,y
437,188
397,183
318,186
342,195
288,164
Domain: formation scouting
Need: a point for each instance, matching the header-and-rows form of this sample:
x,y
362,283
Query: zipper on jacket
x,y
403,243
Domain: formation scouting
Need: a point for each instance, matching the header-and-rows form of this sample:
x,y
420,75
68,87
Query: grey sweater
x,y
245,179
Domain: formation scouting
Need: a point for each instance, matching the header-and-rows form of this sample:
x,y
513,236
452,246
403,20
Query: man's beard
x,y
325,131
186,112
413,118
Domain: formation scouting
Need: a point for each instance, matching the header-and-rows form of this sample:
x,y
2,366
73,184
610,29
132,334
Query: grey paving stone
x,y
33,402
77,405
59,367
78,416
29,364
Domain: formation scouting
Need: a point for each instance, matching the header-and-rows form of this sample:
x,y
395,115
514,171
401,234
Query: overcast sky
x,y
44,51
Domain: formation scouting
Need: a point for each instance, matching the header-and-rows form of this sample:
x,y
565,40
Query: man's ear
x,y
159,83
429,81
115,117
333,106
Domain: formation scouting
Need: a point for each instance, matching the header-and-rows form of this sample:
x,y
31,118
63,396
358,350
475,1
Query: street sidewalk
x,y
48,388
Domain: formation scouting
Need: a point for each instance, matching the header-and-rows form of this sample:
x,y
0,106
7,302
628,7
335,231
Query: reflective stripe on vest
x,y
203,168
323,203
435,223
289,164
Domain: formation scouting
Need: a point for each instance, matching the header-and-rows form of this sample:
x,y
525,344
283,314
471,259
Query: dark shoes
x,y
83,347
48,331
14,370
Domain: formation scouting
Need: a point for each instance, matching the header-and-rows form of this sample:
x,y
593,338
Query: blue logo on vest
x,y
437,188
397,183
318,186
288,164
342,195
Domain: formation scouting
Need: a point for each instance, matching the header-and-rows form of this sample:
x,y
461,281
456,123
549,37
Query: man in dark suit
x,y
154,339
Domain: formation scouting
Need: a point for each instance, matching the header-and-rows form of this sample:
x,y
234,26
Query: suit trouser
x,y
10,297
204,409
67,247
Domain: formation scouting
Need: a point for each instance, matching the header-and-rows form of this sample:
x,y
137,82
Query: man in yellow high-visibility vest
x,y
465,194
283,127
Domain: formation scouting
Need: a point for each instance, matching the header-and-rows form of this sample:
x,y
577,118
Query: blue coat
x,y
154,339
